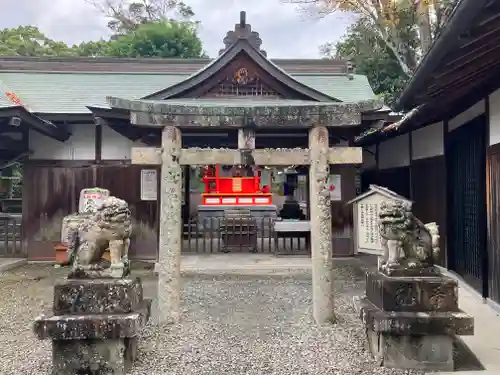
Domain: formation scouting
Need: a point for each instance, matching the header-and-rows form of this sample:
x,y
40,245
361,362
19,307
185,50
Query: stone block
x,y
103,357
415,323
91,326
97,296
420,352
412,294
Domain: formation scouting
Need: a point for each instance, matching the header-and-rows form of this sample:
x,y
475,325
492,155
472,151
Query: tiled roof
x,y
65,92
4,102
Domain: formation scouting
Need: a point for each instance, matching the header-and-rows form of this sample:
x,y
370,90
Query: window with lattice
x,y
243,83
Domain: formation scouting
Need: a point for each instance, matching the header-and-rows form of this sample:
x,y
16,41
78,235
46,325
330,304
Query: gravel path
x,y
231,325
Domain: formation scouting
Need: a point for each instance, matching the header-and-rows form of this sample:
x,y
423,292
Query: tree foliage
x,y
391,21
155,39
370,57
125,16
30,41
158,39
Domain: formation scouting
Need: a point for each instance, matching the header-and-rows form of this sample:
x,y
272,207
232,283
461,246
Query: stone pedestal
x,y
94,326
411,322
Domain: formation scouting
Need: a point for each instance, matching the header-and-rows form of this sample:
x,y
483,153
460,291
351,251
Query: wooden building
x,y
69,137
444,153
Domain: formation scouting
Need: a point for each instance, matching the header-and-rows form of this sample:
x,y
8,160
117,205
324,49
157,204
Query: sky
x,y
285,33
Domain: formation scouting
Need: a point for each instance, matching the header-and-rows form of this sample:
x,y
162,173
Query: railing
x,y
10,235
228,235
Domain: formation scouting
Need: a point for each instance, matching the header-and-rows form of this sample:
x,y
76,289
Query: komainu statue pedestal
x,y
99,310
95,325
411,322
410,310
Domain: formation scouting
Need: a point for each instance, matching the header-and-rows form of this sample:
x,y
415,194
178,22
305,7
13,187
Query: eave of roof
x,y
242,45
152,65
461,19
36,123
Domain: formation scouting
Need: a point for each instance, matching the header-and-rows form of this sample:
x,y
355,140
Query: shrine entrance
x,y
237,212
243,92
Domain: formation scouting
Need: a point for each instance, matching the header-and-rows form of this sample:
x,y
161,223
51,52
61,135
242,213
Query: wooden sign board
x,y
91,198
366,216
335,187
149,185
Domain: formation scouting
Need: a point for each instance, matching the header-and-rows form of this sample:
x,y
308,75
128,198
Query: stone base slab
x,y
420,352
413,294
99,296
103,357
91,326
414,323
405,271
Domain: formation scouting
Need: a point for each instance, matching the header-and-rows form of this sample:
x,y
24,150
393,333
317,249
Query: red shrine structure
x,y
240,189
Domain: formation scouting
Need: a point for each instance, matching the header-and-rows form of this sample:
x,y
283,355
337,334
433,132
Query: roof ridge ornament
x,y
242,30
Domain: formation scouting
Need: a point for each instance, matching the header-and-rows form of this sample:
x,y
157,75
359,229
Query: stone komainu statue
x,y
90,234
407,242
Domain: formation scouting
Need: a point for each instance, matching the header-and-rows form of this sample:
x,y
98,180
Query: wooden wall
x,y
428,178
342,220
493,205
51,191
414,167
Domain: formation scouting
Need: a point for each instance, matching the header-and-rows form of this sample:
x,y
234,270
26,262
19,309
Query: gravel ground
x,y
231,325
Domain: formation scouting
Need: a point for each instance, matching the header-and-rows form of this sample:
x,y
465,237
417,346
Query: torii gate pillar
x,y
169,249
321,227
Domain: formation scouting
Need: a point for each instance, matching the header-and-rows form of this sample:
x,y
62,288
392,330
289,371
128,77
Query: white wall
x,y
467,115
115,146
81,145
428,142
394,152
494,120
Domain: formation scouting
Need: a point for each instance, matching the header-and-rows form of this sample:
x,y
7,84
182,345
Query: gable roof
x,y
241,46
376,189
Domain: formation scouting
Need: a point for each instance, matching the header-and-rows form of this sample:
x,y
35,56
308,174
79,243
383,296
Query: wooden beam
x,y
466,68
483,72
278,157
11,144
466,55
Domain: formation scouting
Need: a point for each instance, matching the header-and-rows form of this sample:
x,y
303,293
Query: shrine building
x,y
74,123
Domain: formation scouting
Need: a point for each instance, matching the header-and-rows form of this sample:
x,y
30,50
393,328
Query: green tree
x,y
91,49
30,41
385,19
158,39
371,56
155,39
125,16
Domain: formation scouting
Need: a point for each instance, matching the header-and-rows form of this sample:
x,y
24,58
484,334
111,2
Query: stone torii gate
x,y
246,116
